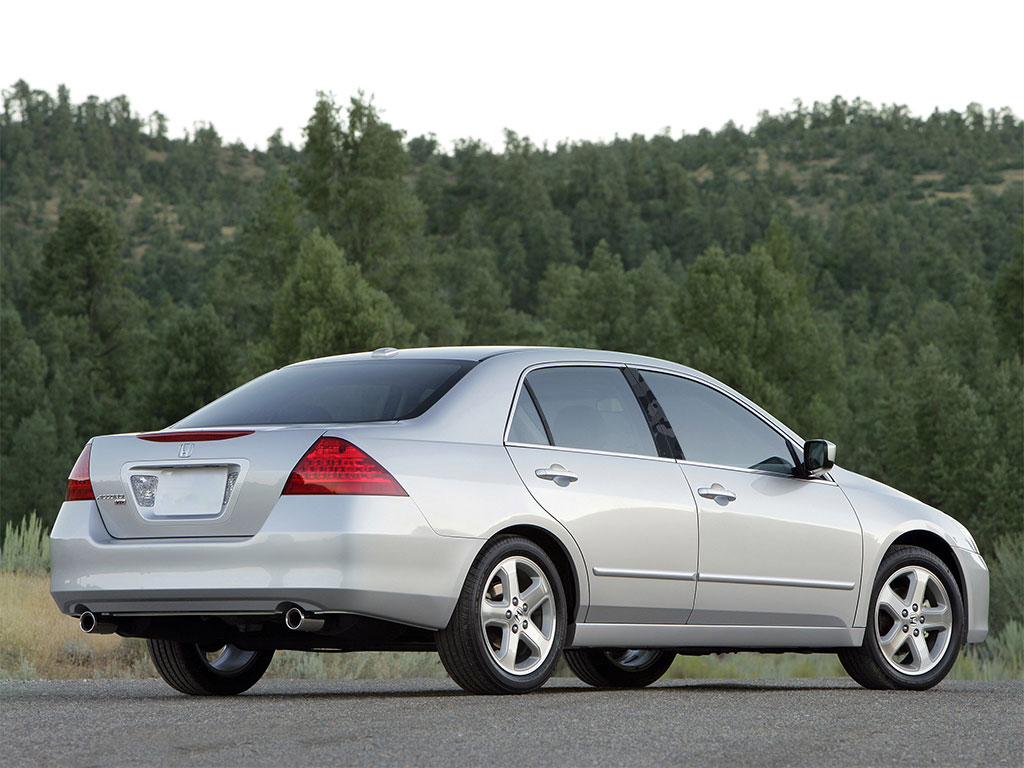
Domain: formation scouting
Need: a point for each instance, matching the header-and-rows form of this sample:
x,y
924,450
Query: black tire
x,y
616,668
868,664
186,668
468,652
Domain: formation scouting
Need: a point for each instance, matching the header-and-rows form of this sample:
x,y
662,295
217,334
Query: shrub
x,y
26,548
1006,574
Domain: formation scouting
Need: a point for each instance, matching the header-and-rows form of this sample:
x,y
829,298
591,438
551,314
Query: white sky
x,y
550,71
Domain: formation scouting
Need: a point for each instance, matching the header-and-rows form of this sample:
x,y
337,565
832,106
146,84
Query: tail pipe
x,y
300,621
92,624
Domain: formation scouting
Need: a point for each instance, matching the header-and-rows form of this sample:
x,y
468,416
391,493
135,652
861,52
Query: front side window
x,y
715,429
589,407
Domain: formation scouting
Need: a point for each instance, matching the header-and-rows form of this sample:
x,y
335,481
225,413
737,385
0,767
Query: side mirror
x,y
819,457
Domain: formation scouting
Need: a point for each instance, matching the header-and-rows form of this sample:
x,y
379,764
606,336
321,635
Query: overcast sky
x,y
551,71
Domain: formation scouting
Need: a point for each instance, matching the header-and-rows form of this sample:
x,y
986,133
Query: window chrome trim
x,y
634,574
590,451
751,471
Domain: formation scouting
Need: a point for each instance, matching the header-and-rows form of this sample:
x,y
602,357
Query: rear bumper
x,y
976,583
369,555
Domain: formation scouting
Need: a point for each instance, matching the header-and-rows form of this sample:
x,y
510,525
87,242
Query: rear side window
x,y
334,392
715,429
592,408
527,426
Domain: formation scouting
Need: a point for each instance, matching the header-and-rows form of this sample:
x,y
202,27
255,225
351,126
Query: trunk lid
x,y
196,483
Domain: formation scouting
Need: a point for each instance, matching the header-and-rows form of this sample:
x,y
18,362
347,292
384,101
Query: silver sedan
x,y
502,506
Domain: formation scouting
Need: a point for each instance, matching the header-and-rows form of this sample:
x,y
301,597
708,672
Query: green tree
x,y
326,307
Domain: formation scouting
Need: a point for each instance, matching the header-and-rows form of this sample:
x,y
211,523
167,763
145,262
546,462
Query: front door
x,y
775,549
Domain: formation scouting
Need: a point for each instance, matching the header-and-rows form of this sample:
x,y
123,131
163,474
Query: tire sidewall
x,y
495,553
891,563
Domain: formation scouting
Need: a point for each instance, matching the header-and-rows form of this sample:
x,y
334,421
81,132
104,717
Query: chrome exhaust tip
x,y
91,624
300,621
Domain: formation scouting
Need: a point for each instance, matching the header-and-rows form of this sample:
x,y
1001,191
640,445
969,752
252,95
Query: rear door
x,y
582,446
775,549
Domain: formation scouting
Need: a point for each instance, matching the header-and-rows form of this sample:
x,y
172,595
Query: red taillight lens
x,y
79,484
334,465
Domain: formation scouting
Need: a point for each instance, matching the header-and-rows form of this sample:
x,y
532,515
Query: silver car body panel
x,y
792,569
627,514
373,556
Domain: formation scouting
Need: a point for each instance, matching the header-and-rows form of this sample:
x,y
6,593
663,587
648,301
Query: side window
x,y
715,429
591,408
527,426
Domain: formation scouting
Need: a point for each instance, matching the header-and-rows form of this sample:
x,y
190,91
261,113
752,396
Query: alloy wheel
x,y
518,616
913,620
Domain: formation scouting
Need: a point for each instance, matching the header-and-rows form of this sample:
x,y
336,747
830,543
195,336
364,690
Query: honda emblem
x,y
185,450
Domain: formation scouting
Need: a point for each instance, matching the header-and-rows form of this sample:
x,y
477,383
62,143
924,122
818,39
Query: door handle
x,y
717,492
558,474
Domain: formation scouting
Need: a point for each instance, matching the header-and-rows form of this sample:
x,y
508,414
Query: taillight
x,y
79,484
334,465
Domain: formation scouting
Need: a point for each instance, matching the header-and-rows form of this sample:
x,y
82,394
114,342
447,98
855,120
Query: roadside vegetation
x,y
37,641
855,269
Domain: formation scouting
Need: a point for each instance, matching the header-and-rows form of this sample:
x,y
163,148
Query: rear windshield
x,y
337,392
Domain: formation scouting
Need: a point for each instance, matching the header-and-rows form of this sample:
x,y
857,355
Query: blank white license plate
x,y
187,491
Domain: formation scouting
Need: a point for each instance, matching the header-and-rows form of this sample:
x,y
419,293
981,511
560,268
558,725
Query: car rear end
x,y
263,501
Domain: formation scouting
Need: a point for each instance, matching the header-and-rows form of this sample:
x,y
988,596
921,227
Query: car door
x,y
775,549
583,447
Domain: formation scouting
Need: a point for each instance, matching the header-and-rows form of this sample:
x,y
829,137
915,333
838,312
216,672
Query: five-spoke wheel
x,y
509,624
913,620
517,615
915,626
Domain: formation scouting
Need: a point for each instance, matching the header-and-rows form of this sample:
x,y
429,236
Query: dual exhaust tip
x,y
92,624
300,621
294,618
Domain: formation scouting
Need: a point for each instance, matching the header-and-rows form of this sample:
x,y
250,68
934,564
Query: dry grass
x,y
38,641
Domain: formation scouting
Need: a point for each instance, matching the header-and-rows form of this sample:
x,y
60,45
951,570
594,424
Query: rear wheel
x,y
618,668
201,671
508,627
915,625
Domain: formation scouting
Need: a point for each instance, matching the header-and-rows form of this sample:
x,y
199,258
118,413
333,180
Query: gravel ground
x,y
431,722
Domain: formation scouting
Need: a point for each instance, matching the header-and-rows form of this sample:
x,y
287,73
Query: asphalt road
x,y
430,722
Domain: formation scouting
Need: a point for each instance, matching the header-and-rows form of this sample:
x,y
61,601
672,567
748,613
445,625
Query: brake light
x,y
79,484
335,466
194,437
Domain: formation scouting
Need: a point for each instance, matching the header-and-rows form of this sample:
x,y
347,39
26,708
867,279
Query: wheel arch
x,y
942,550
560,556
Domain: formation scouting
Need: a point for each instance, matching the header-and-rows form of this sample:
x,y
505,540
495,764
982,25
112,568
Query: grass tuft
x,y
26,547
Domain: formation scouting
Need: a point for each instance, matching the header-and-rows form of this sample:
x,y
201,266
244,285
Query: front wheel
x,y
509,624
618,668
192,669
915,625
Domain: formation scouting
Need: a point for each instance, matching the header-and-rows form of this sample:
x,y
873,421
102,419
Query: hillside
x,y
855,269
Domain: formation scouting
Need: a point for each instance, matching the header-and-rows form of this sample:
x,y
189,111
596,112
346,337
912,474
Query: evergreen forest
x,y
855,269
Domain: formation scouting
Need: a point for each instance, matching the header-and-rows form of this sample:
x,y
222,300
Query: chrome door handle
x,y
558,474
717,492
